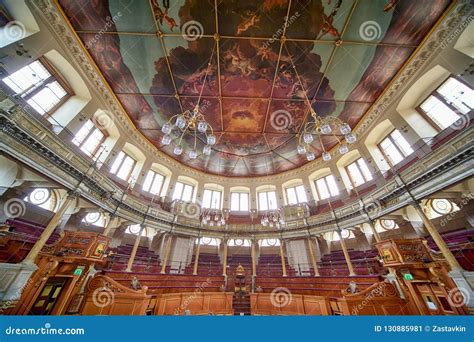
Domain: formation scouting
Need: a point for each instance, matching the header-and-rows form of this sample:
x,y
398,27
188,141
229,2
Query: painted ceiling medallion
x,y
155,60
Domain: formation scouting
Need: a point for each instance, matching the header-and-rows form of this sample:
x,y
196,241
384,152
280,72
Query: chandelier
x,y
319,127
272,218
213,217
191,123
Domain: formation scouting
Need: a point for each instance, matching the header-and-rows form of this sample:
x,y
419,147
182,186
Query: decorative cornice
x,y
53,18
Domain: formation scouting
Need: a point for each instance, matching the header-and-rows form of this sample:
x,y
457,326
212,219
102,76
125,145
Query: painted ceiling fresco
x,y
154,55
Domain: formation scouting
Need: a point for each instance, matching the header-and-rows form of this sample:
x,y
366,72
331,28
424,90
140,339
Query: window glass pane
x,y
291,193
440,113
234,201
322,188
126,168
26,77
301,194
178,190
216,200
157,184
148,180
401,142
117,162
244,202
332,185
391,151
206,199
355,174
187,193
365,169
82,133
457,94
92,143
262,201
272,202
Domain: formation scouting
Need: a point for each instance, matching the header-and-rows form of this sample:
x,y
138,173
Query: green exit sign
x,y
78,271
407,276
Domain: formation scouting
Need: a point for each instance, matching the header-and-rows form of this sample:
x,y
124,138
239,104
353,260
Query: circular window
x,y
272,242
442,206
238,242
135,229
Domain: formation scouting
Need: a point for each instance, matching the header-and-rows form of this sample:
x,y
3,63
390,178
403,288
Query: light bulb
x,y
301,149
202,126
166,140
326,129
345,128
207,150
308,138
351,138
180,122
343,149
166,128
326,156
211,139
178,150
192,154
310,156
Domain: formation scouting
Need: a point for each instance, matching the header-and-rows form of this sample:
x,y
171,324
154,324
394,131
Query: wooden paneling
x,y
198,303
288,304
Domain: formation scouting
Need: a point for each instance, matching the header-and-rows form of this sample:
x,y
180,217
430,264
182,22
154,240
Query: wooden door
x,y
49,295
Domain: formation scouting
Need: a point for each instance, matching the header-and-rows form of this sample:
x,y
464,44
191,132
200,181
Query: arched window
x,y
135,229
445,105
211,199
207,241
326,187
267,200
239,243
395,147
358,172
385,224
89,139
270,242
153,182
183,192
239,201
296,194
43,198
40,86
438,207
123,166
95,219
